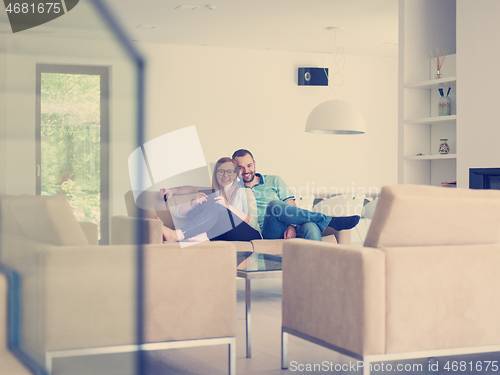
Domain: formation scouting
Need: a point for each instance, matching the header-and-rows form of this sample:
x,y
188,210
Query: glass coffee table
x,y
251,266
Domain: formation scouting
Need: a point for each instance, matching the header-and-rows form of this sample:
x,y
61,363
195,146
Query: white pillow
x,y
341,205
305,202
48,220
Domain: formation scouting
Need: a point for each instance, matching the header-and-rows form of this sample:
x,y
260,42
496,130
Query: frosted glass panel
x,y
69,119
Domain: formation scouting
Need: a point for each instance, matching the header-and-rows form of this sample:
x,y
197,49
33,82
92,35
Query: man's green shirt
x,y
270,188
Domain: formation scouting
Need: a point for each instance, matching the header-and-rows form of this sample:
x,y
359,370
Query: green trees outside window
x,y
71,141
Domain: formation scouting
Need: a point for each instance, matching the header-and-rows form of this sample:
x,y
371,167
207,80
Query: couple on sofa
x,y
227,215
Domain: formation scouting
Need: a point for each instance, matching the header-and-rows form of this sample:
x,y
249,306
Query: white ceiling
x,y
369,27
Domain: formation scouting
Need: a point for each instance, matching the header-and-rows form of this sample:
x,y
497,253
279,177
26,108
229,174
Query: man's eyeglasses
x,y
230,172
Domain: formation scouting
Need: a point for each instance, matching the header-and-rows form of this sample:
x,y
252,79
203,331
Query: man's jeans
x,y
279,215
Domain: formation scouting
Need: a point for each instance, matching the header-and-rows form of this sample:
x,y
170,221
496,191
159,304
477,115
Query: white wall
x,y
478,59
236,98
250,99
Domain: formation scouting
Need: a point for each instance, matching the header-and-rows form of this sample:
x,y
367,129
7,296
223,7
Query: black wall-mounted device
x,y
313,77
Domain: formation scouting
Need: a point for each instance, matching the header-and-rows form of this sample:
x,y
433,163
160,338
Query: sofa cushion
x,y
47,219
148,202
268,246
150,205
242,245
8,223
91,231
416,215
331,238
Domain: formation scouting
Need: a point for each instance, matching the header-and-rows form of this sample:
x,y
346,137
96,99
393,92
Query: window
x,y
72,139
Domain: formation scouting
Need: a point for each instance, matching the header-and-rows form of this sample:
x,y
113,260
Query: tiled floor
x,y
304,357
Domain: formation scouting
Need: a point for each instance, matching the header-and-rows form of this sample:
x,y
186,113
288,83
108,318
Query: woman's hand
x,y
220,200
243,216
166,192
198,199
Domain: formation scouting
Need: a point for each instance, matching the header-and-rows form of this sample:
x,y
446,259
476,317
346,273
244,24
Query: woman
x,y
222,216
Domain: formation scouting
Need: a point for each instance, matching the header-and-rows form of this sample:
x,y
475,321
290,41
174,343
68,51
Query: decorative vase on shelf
x,y
439,60
444,103
443,147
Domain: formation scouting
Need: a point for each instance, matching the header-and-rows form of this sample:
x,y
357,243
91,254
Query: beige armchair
x,y
425,284
81,299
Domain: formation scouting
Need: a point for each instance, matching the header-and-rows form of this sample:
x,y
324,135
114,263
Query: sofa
x,y
150,205
79,298
425,284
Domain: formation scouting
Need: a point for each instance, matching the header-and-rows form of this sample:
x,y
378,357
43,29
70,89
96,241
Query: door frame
x,y
103,72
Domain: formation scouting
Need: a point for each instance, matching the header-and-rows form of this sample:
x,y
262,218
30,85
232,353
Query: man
x,y
279,216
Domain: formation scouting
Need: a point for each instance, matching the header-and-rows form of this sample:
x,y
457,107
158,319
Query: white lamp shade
x,y
335,117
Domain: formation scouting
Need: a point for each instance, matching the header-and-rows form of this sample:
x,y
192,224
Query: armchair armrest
x,y
124,230
190,293
336,294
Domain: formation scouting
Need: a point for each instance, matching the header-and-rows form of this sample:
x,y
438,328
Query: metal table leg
x,y
232,357
284,349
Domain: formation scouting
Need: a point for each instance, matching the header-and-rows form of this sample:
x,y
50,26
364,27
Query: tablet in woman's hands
x,y
207,191
211,194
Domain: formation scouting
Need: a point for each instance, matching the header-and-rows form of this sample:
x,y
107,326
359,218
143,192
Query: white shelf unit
x,y
451,119
432,157
420,127
433,83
